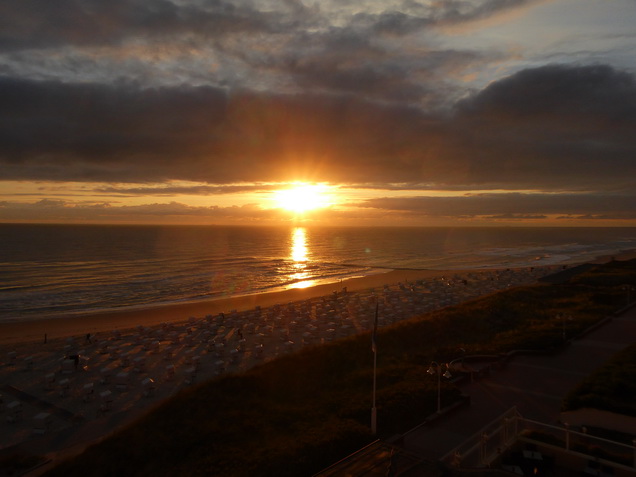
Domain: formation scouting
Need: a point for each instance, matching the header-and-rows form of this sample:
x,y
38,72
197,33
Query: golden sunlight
x,y
299,254
299,245
303,197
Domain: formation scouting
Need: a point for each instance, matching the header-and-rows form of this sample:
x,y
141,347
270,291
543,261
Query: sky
x,y
417,113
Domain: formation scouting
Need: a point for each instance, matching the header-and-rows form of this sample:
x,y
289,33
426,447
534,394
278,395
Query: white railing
x,y
494,439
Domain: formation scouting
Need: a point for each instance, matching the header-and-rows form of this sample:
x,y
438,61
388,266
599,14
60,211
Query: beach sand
x,y
57,409
77,325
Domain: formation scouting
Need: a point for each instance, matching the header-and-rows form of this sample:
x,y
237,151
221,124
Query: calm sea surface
x,y
57,270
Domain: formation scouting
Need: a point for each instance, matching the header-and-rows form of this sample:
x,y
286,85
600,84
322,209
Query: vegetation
x,y
611,387
302,412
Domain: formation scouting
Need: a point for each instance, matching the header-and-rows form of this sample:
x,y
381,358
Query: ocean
x,y
49,271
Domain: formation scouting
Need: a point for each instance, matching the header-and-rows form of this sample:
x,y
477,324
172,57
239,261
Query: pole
x,y
439,389
374,412
374,348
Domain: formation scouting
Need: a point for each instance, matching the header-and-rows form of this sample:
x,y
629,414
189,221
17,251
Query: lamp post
x,y
436,368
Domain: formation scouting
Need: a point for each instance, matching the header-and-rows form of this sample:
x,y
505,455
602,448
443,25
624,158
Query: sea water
x,y
48,271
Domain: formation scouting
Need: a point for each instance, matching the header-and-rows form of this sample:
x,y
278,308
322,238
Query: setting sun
x,y
303,197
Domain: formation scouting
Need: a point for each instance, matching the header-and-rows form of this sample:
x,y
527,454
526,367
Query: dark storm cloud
x,y
554,128
43,24
553,125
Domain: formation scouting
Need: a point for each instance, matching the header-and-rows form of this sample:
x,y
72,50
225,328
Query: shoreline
x,y
20,332
81,324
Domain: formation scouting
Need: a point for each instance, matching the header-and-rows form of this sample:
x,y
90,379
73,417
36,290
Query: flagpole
x,y
374,415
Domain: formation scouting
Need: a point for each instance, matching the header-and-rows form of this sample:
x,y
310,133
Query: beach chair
x,y
220,366
103,347
124,360
68,366
114,354
14,411
87,392
106,401
28,363
41,422
49,381
190,373
65,386
170,371
122,381
105,374
148,386
139,364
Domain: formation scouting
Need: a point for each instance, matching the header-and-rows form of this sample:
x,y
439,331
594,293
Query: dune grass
x,y
612,387
300,413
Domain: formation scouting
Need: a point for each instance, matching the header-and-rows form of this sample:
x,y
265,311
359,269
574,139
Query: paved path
x,y
535,384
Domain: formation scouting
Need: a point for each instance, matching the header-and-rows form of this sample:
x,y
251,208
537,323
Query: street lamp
x,y
436,368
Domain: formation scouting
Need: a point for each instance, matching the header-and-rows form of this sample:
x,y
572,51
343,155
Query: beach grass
x,y
301,412
612,387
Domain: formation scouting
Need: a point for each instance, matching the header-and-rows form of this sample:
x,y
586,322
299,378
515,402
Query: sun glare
x,y
303,198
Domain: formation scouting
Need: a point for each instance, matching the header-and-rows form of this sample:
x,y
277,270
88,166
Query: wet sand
x,y
78,325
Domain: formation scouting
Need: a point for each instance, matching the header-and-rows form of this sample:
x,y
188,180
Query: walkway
x,y
536,385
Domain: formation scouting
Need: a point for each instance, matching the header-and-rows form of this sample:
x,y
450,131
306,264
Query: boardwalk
x,y
536,385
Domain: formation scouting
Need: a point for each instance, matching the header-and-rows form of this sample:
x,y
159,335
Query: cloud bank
x,y
235,95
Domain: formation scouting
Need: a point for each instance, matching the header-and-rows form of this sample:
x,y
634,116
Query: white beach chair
x,y
190,373
170,371
68,366
49,381
148,386
88,391
139,364
14,411
124,360
105,375
220,366
65,386
106,401
122,381
41,422
188,355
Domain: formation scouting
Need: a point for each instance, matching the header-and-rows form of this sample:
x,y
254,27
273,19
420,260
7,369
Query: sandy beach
x,y
60,395
34,331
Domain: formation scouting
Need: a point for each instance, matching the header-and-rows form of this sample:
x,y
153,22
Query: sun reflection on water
x,y
299,246
299,255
